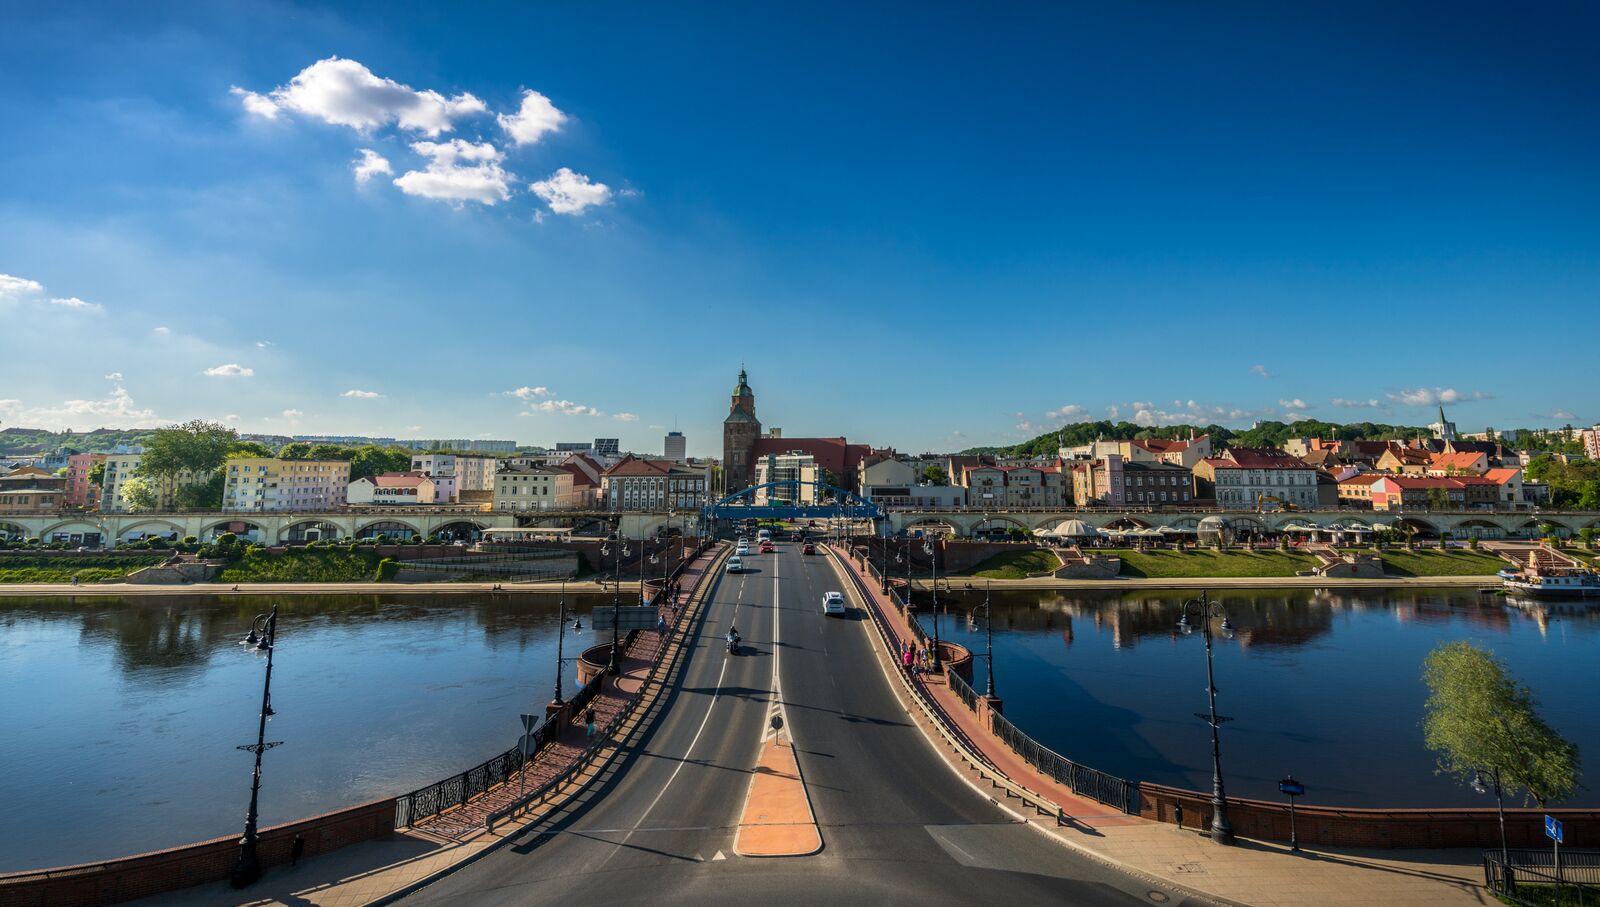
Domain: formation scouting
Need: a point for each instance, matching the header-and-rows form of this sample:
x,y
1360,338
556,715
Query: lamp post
x,y
1205,610
988,641
614,666
883,575
1500,811
263,637
561,639
932,550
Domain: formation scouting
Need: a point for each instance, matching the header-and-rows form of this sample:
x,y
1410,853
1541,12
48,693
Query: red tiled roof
x,y
1502,476
1259,458
836,455
1366,478
1456,460
398,480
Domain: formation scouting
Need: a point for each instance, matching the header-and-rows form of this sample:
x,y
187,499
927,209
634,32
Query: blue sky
x,y
929,226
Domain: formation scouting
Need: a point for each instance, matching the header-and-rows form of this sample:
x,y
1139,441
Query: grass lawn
x,y
1018,564
1165,564
89,568
316,565
1454,562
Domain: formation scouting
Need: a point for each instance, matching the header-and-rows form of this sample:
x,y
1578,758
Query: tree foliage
x,y
139,494
1575,484
197,446
1478,717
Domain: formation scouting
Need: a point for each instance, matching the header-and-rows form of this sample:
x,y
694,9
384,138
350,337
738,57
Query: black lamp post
x,y
1205,610
883,575
1500,810
263,637
561,639
614,666
988,641
931,547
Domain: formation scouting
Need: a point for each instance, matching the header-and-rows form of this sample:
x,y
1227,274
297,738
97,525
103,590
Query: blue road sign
x,y
1552,828
1290,787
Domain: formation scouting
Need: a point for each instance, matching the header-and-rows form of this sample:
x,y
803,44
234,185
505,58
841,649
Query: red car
x,y
809,549
766,547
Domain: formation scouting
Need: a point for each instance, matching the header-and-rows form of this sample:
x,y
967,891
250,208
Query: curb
x,y
986,771
600,765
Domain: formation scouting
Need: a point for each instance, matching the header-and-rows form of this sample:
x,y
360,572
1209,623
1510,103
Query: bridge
x,y
784,500
464,523
1488,524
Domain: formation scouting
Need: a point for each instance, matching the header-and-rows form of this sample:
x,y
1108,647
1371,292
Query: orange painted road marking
x,y
778,821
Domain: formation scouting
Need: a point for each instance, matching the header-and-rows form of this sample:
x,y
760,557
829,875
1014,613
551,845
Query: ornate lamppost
x,y
263,638
561,639
1205,610
614,667
931,548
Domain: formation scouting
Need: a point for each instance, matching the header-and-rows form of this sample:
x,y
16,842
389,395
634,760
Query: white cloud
x,y
1191,412
1070,411
1112,412
1563,415
369,165
1434,396
161,329
527,393
1292,418
231,417
231,370
625,417
115,411
346,93
458,171
73,302
536,117
292,414
1260,370
569,193
1295,404
263,344
18,287
567,408
114,376
361,395
1347,403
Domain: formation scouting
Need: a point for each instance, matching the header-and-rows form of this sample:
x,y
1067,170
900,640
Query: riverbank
x,y
122,590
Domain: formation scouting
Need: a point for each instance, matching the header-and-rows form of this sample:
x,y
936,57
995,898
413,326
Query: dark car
x,y
809,549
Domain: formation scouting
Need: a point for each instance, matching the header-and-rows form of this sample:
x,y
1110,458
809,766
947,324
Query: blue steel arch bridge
x,y
783,502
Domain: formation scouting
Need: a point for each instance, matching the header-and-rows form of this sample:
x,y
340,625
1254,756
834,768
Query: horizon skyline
x,y
370,221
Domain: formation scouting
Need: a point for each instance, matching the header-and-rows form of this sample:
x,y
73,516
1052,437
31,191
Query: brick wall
x,y
142,875
1376,828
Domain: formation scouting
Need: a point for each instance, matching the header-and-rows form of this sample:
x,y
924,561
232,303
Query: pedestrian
x,y
661,623
906,658
588,722
297,849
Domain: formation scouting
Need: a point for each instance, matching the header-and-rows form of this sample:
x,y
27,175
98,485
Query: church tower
x,y
739,433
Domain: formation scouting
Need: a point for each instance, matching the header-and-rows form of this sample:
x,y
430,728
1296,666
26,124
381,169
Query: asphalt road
x,y
898,825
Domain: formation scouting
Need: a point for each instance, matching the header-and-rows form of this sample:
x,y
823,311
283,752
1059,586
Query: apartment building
x,y
267,484
120,467
80,491
534,488
455,474
409,489
1250,477
639,484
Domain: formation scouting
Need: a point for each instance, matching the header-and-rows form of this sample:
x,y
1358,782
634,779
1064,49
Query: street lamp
x,y
988,640
263,637
561,639
932,550
614,667
1500,810
1204,609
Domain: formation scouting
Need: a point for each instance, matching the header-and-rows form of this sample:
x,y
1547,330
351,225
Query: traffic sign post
x,y
528,721
1553,831
1291,788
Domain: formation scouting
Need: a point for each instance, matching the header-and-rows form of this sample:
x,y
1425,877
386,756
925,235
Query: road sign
x,y
777,722
629,617
1291,788
1552,828
528,721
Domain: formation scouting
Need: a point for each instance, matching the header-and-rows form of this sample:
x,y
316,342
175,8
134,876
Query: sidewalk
x,y
961,583
1254,872
548,587
376,871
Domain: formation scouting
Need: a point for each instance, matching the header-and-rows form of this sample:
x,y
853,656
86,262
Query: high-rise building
x,y
676,447
607,447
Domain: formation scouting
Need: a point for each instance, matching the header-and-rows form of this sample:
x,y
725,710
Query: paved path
x,y
477,589
959,583
1255,872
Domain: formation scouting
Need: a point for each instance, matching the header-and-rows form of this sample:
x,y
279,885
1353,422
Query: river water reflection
x,y
1324,685
121,716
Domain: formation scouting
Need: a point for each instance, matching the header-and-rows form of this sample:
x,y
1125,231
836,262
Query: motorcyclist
x,y
733,638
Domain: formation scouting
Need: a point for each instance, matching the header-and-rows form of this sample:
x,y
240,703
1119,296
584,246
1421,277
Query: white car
x,y
735,565
742,548
833,603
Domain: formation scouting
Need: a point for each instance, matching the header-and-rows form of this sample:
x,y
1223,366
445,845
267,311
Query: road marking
x,y
720,856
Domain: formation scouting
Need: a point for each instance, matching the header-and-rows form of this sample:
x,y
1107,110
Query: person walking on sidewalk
x,y
906,658
588,723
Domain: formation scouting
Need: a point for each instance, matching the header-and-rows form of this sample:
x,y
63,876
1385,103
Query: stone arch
x,y
988,524
244,529
1422,528
90,530
302,531
1188,523
459,530
140,528
930,525
12,531
1479,529
387,528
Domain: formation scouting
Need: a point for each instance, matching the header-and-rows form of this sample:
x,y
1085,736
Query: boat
x,y
1553,582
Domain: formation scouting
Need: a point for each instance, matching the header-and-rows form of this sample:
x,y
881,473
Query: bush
x,y
388,568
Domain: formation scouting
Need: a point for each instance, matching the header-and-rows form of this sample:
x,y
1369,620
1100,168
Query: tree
x,y
295,450
186,454
140,494
934,475
249,449
372,460
1479,718
97,474
325,451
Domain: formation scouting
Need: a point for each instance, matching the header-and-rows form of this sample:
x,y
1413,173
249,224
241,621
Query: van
x,y
764,535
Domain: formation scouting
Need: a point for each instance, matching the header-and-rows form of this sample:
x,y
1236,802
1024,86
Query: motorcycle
x,y
733,646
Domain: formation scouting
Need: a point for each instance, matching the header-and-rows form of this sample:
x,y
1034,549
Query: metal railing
x,y
1108,789
429,801
963,690
1531,877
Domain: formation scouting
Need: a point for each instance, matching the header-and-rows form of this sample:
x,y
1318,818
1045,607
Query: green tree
x,y
140,494
186,454
295,450
325,451
372,460
1479,718
97,474
934,475
249,449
